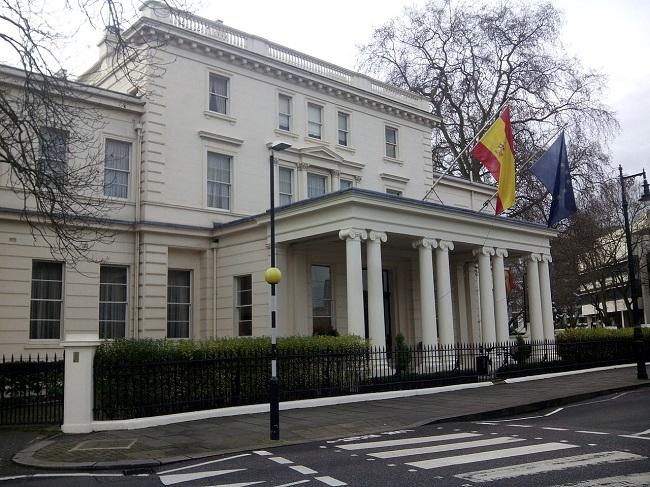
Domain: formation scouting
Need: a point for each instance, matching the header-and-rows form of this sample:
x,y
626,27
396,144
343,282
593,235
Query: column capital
x,y
427,243
446,245
489,251
374,235
336,172
533,257
547,258
357,179
501,252
353,234
302,166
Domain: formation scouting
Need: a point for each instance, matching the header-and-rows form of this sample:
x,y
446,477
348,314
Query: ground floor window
x,y
244,305
321,299
112,302
179,303
46,301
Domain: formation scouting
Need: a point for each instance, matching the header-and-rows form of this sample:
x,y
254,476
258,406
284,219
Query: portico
x,y
394,265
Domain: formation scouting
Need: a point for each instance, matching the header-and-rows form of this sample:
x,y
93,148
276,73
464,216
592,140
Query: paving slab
x,y
197,439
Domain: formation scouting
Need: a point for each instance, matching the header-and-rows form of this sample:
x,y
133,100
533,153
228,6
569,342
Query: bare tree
x,y
50,153
470,59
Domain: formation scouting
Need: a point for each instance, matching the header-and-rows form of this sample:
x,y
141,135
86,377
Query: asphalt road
x,y
601,442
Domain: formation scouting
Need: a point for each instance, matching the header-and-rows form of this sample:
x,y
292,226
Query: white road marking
x,y
642,432
280,460
489,455
519,425
554,429
446,447
635,437
592,432
406,441
263,453
332,482
187,477
202,464
238,484
45,475
303,470
632,480
293,483
553,465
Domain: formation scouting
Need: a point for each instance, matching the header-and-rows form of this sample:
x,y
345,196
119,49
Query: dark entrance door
x,y
385,278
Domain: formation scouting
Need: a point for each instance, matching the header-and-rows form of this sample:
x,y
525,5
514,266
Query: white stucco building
x,y
359,249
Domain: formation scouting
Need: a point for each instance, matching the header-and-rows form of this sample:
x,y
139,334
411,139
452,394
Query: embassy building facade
x,y
360,251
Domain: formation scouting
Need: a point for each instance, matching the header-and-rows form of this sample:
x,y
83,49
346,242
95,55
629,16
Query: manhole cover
x,y
104,445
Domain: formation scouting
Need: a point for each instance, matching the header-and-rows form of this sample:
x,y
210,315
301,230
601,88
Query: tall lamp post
x,y
273,276
641,372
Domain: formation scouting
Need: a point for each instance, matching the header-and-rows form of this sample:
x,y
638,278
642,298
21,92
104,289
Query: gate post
x,y
78,393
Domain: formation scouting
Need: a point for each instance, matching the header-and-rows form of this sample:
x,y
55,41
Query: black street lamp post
x,y
273,276
641,372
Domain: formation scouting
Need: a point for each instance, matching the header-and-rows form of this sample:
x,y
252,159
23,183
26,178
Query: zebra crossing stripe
x,y
632,480
187,477
447,447
406,441
553,465
490,455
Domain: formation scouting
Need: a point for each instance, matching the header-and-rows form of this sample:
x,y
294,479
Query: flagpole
x,y
523,166
453,163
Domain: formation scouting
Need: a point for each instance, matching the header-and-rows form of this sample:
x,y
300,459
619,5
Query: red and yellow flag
x,y
496,152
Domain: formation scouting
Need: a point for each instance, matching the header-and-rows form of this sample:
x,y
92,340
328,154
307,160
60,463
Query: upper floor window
x,y
54,152
314,121
219,180
46,301
112,302
116,168
179,303
344,130
244,305
316,185
218,93
284,112
346,183
285,185
391,142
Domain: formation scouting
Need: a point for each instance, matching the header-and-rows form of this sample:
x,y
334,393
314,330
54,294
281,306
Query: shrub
x,y
521,351
402,355
599,345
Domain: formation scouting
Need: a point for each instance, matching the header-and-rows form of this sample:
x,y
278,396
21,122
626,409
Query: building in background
x,y
360,250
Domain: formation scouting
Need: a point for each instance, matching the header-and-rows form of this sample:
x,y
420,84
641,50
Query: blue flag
x,y
552,169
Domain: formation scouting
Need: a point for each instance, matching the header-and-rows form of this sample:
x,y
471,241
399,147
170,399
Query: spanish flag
x,y
496,152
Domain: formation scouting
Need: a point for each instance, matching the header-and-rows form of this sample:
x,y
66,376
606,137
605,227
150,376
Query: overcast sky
x,y
612,36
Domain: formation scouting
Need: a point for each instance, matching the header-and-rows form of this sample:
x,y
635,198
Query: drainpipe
x,y
213,246
138,218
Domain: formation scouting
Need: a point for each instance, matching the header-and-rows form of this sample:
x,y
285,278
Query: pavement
x,y
150,447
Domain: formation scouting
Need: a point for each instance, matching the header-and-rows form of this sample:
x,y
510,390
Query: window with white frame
x,y
316,185
314,121
219,95
285,185
321,299
391,142
179,303
116,168
219,180
54,154
46,301
284,112
346,183
394,192
112,301
244,305
344,128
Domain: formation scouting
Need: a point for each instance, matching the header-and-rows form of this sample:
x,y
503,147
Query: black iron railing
x,y
31,390
130,390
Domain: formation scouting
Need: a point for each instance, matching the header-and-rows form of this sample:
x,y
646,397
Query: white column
x,y
302,181
645,294
487,296
534,297
353,267
500,297
443,284
427,291
336,180
78,392
463,315
547,301
376,326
